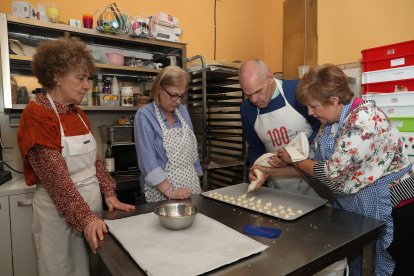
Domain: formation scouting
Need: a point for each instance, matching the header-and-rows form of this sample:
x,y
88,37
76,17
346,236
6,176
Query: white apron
x,y
276,129
180,144
60,249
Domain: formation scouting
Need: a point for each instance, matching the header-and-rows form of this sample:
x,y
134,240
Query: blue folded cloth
x,y
261,231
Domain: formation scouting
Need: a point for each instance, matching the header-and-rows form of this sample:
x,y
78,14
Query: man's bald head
x,y
253,70
257,82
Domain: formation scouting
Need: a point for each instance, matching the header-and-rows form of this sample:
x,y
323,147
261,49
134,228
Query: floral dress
x,y
361,156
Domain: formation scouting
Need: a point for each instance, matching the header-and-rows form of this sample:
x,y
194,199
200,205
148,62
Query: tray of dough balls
x,y
273,202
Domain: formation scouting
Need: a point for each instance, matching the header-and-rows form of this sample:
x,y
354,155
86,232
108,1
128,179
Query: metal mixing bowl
x,y
176,216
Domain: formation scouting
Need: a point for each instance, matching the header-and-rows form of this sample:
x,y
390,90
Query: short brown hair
x,y
323,82
58,58
169,76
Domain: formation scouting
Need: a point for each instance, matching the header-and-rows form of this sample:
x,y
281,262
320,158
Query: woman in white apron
x,y
59,154
165,142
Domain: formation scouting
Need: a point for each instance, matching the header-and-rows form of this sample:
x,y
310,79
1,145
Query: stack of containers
x,y
388,78
388,68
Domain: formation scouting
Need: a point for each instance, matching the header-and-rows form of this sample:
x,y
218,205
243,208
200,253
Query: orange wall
x,y
347,27
253,29
241,24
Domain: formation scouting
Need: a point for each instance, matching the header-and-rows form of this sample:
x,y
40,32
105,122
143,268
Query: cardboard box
x,y
23,9
167,36
165,29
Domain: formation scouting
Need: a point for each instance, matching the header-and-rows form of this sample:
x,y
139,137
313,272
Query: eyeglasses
x,y
173,96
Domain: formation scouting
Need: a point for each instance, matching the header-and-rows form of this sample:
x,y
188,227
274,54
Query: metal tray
x,y
272,202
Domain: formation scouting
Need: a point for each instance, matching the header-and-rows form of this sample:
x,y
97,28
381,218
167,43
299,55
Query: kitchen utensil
x,y
261,161
176,216
21,49
261,231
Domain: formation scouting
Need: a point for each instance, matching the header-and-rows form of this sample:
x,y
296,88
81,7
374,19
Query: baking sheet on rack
x,y
273,202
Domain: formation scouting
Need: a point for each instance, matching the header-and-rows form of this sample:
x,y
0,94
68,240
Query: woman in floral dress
x,y
360,157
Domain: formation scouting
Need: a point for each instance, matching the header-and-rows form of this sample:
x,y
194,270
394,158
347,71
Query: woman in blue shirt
x,y
165,142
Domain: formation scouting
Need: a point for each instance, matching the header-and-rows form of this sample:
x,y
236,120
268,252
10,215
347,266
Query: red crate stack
x,y
389,68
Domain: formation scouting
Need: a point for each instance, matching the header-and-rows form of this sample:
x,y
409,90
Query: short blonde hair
x,y
169,76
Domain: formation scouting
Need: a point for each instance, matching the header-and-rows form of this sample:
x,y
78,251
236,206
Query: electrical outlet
x,y
408,139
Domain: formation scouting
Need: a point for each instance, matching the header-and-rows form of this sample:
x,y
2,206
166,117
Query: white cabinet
x,y
16,239
21,216
6,265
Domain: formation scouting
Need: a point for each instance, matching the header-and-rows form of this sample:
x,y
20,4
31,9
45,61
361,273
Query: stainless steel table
x,y
305,246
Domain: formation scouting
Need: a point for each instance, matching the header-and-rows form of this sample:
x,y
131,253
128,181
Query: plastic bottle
x,y
96,92
106,89
109,159
100,82
114,86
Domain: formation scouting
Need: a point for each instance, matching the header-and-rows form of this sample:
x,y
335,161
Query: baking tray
x,y
272,202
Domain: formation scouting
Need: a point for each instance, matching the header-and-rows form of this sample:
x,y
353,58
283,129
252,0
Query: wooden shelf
x,y
98,65
91,108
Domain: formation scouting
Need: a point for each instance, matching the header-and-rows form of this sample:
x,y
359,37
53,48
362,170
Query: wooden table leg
x,y
368,252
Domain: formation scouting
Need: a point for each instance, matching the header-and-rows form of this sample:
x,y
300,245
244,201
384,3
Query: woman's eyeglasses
x,y
174,96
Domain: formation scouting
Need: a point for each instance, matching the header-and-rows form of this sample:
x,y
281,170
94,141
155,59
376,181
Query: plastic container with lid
x,y
127,96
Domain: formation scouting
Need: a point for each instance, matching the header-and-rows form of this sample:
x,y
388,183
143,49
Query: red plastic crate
x,y
387,86
379,58
381,64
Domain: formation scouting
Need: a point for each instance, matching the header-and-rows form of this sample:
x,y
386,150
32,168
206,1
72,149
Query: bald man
x,y
271,117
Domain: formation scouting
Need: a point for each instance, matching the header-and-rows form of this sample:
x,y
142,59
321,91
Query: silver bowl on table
x,y
176,216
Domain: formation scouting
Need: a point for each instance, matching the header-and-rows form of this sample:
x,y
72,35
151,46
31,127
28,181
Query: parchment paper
x,y
206,245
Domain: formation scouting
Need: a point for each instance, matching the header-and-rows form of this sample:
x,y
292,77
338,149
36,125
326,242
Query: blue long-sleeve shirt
x,y
152,158
248,113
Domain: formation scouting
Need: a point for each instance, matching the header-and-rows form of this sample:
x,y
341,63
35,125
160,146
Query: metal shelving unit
x,y
214,99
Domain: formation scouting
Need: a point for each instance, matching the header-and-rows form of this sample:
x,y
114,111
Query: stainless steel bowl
x,y
176,216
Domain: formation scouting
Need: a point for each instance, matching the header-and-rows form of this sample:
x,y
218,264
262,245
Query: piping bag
x,y
261,161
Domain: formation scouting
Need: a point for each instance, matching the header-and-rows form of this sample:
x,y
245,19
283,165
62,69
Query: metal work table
x,y
305,246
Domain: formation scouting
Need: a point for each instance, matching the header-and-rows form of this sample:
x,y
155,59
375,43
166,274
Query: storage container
x,y
109,99
388,86
387,63
404,124
388,56
394,99
400,73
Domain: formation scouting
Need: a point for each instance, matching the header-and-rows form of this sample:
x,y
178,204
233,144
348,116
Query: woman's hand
x,y
94,232
180,193
276,162
171,192
114,204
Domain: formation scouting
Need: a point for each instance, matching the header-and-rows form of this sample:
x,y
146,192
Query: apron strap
x,y
57,114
